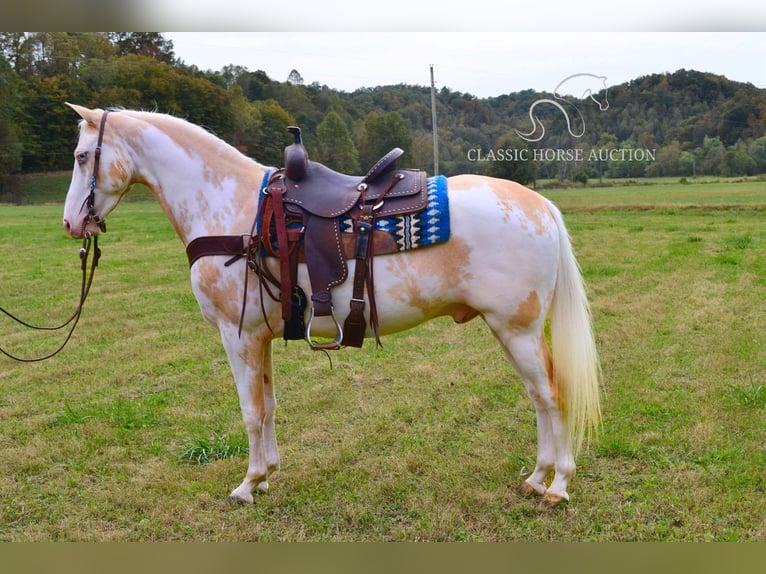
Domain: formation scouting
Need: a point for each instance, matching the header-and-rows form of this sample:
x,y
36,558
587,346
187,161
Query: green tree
x,y
687,164
517,165
203,102
336,147
273,135
383,132
247,122
423,152
14,48
53,53
622,166
737,161
255,85
758,153
10,146
713,156
295,78
141,82
667,161
49,131
606,141
150,44
231,73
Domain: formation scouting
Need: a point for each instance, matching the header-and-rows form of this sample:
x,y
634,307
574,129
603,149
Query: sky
x,y
484,64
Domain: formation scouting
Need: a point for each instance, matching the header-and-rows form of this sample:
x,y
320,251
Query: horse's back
x,y
505,210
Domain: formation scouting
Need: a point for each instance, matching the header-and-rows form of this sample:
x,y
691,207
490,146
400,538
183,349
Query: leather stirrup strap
x,y
267,216
285,286
355,325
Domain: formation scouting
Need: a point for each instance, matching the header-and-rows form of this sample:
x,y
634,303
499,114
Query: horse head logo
x,y
588,85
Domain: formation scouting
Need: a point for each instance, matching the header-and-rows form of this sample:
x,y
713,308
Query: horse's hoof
x,y
530,491
552,500
263,487
239,499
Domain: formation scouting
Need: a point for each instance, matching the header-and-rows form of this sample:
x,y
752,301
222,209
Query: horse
x,y
509,260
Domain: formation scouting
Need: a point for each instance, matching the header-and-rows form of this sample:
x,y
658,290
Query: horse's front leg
x,y
250,360
270,404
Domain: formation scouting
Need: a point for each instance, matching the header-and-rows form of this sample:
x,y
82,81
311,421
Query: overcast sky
x,y
481,63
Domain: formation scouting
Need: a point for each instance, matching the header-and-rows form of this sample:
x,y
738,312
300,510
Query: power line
x,y
433,123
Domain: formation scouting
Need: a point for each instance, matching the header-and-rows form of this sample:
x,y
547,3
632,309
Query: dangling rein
x,y
87,278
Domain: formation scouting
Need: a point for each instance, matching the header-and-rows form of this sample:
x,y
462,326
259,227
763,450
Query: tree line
x,y
694,123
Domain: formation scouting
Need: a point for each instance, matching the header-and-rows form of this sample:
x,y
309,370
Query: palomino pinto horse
x,y
508,260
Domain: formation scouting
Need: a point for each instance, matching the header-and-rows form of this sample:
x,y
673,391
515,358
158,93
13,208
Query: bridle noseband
x,y
87,279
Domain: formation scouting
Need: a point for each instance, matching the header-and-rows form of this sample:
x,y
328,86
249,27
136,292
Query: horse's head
x,y
582,87
101,175
603,105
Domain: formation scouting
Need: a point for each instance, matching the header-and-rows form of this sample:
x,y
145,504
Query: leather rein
x,y
88,241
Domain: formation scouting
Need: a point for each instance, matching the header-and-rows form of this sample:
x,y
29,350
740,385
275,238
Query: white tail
x,y
575,357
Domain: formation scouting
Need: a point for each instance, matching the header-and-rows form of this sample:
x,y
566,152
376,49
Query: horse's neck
x,y
204,186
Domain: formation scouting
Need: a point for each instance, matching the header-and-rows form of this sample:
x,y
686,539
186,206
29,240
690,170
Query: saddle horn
x,y
296,156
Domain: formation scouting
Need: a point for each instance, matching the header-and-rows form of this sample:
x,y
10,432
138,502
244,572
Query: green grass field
x,y
134,431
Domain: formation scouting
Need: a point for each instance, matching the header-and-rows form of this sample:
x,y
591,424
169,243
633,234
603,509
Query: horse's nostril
x,y
67,226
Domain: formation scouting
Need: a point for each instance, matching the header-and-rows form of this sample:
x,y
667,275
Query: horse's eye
x,y
82,157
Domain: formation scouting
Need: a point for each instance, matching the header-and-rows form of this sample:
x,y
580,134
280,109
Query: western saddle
x,y
299,221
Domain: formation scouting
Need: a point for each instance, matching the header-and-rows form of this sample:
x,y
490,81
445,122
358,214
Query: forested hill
x,y
683,123
685,111
687,106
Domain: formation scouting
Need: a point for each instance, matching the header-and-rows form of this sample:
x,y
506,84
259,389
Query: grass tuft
x,y
750,397
204,450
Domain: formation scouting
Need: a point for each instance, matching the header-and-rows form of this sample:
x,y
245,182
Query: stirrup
x,y
330,345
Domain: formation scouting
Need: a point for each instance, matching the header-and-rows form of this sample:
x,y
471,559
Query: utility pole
x,y
433,123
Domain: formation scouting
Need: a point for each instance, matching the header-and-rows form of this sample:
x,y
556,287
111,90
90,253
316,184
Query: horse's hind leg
x,y
529,354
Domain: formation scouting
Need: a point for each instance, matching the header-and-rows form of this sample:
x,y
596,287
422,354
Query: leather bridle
x,y
87,277
90,201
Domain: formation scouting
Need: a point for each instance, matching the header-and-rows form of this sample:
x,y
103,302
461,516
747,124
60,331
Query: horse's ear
x,y
90,116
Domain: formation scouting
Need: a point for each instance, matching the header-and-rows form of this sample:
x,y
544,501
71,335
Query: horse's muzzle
x,y
88,227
